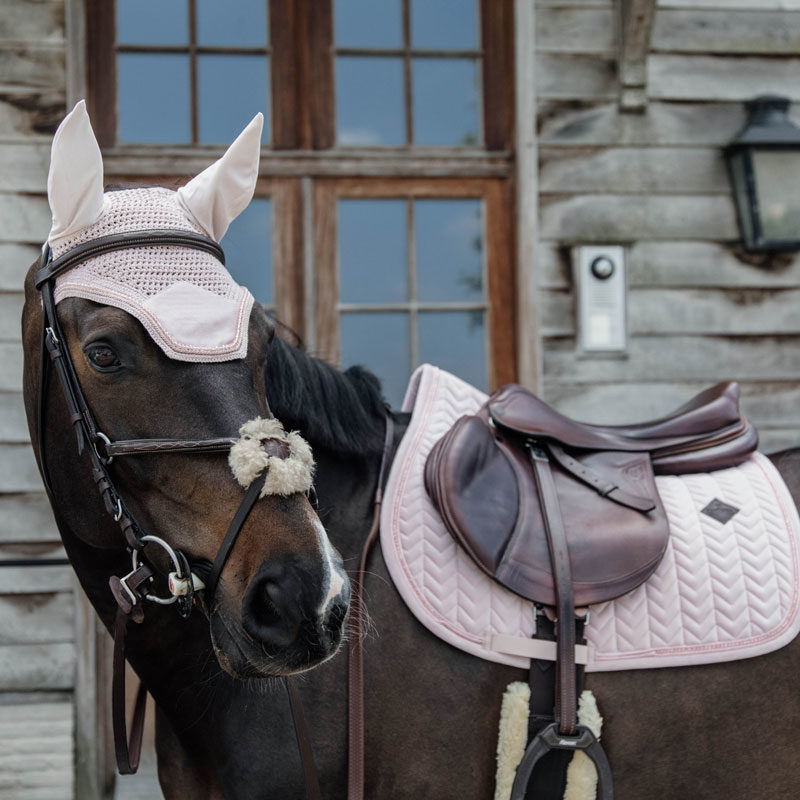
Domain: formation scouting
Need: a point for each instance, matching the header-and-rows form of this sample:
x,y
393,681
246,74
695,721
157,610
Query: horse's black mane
x,y
342,411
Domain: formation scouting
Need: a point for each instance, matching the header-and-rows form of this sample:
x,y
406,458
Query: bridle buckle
x,y
179,585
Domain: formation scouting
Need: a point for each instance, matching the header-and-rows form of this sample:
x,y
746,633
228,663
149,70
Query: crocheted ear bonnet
x,y
184,297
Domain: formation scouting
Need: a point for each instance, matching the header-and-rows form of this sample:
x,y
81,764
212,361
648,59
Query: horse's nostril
x,y
336,618
268,613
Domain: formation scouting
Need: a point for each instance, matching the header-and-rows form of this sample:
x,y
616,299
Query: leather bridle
x,y
133,589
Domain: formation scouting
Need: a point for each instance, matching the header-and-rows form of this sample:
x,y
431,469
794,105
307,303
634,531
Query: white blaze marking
x,y
333,574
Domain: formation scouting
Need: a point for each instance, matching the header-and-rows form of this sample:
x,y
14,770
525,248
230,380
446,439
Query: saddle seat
x,y
706,433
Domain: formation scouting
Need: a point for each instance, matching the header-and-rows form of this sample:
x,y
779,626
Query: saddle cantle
x,y
482,479
705,434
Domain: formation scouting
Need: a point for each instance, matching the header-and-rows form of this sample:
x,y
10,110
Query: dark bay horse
x,y
718,731
224,727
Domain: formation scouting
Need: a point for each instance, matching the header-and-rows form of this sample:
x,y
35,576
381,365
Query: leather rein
x,y
131,590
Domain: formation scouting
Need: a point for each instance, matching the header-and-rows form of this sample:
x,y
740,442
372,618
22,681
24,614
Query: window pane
x,y
368,23
222,113
154,98
456,342
372,251
369,101
449,240
446,101
379,342
444,24
152,22
248,249
242,23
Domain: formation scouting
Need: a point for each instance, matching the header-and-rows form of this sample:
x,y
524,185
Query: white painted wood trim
x,y
529,359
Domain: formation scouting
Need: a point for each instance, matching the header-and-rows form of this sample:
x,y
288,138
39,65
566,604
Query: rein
x,y
355,664
131,590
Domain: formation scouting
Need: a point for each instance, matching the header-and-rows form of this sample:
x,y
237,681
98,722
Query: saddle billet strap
x,y
355,650
600,485
125,241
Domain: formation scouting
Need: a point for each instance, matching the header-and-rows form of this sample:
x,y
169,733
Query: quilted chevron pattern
x,y
722,591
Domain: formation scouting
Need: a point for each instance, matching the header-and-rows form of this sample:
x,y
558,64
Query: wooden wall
x,y
37,631
700,310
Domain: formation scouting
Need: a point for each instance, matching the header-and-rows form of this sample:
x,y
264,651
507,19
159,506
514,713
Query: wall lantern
x,y
764,166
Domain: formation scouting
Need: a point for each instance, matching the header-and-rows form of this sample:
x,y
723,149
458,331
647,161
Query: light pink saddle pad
x,y
723,591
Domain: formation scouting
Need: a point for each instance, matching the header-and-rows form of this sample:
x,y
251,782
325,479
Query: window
x,y
380,230
407,73
414,270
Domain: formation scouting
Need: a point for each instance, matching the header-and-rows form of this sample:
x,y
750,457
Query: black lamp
x,y
764,166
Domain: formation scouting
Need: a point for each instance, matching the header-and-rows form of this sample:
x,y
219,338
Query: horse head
x,y
167,377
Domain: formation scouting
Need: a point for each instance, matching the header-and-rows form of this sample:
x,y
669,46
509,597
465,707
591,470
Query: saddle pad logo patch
x,y
720,511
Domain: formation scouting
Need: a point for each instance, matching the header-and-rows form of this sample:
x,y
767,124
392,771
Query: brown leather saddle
x,y
480,476
567,514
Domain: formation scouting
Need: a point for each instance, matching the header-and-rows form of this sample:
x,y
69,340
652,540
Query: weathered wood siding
x,y
700,310
37,631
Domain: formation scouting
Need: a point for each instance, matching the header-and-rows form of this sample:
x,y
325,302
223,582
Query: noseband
x,y
131,590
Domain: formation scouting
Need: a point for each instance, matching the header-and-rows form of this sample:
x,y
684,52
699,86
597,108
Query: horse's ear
x,y
75,181
221,192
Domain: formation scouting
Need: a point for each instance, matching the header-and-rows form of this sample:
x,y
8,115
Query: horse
x,y
223,730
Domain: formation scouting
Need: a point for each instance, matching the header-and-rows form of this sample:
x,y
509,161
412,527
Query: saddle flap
x,y
483,485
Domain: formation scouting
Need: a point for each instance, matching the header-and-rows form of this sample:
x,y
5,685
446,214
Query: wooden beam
x,y
636,25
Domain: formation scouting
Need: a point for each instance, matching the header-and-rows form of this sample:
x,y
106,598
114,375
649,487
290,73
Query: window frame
x,y
302,86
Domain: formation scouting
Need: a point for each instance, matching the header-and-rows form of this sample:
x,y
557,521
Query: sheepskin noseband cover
x,y
265,445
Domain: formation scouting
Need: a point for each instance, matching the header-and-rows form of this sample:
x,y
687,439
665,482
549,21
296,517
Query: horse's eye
x,y
102,357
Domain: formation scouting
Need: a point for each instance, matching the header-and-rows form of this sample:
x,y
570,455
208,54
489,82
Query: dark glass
x,y
380,342
248,249
446,95
450,250
242,23
372,251
152,22
456,342
369,101
223,112
368,23
153,98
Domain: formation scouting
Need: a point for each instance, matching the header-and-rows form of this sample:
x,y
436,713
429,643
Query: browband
x,y
124,241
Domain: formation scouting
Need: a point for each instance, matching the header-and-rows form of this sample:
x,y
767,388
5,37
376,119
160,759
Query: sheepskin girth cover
x,y
265,445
